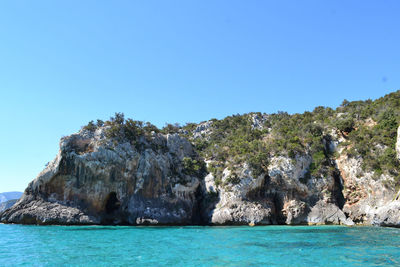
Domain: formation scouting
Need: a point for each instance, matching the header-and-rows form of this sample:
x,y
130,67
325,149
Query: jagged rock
x,y
202,130
258,120
280,196
327,213
398,143
388,215
33,211
295,211
237,204
95,181
363,192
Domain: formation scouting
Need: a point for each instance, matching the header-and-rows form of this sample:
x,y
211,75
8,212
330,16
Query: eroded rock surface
x,y
94,180
398,144
280,196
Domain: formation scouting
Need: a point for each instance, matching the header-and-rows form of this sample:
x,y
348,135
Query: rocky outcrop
x,y
95,180
370,198
388,212
203,130
158,179
398,144
281,196
242,203
363,191
258,120
387,215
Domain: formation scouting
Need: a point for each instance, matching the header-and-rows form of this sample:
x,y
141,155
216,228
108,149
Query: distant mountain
x,y
4,197
8,204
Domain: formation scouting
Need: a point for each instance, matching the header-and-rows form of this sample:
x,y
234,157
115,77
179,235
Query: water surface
x,y
198,246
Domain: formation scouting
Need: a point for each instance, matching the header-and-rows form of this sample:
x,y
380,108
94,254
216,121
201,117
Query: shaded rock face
x,y
94,181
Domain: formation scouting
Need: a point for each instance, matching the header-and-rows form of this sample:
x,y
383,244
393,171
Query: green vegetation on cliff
x,y
368,129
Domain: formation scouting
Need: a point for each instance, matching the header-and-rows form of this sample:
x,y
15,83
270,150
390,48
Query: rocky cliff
x,y
96,180
322,167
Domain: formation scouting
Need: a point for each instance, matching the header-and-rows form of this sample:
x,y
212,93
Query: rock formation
x,y
398,144
108,174
95,181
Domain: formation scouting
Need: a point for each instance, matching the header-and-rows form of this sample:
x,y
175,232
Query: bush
x,y
233,179
193,167
345,125
90,126
171,128
99,123
258,163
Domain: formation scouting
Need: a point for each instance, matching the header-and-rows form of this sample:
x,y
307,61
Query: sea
x,y
23,245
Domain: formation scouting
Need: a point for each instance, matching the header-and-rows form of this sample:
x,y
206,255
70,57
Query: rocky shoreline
x,y
123,172
95,181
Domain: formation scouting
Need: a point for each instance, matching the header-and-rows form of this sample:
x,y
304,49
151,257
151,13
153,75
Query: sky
x,y
64,63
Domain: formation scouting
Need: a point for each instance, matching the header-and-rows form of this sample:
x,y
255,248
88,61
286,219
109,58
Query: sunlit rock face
x,y
94,180
282,195
398,144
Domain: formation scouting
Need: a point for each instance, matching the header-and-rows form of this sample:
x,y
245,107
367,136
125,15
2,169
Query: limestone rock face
x,y
94,180
398,143
244,202
287,194
202,130
282,195
370,199
388,215
363,192
327,213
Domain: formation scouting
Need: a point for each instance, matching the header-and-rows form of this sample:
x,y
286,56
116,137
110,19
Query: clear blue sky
x,y
63,63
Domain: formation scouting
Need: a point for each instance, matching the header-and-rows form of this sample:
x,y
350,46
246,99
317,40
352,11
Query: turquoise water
x,y
198,246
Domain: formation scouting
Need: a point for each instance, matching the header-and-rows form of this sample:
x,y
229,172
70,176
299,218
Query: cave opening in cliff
x,y
338,191
112,203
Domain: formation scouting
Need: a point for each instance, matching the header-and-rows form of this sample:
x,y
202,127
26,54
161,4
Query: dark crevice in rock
x,y
259,192
208,204
338,190
112,203
278,205
198,217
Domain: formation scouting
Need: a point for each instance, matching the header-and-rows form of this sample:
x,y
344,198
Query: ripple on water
x,y
198,246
